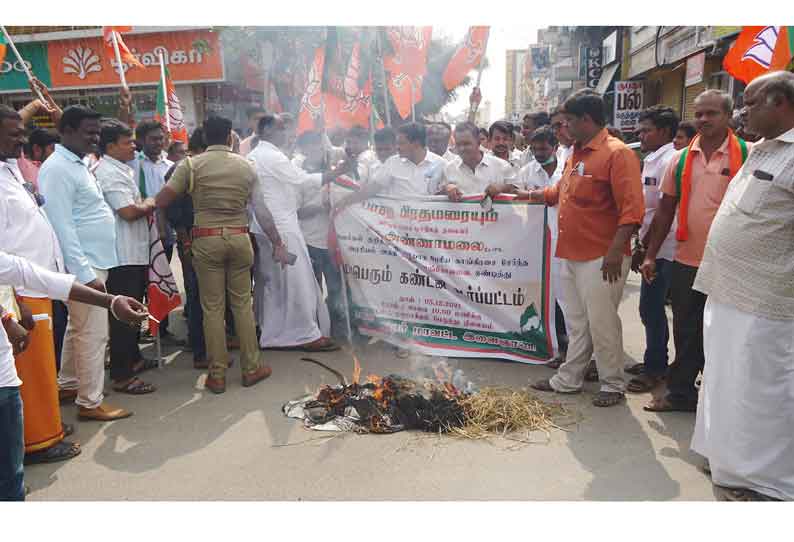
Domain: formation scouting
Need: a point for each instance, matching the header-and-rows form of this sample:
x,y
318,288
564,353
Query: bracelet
x,y
113,302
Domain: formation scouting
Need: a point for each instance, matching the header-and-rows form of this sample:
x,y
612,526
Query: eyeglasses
x,y
36,195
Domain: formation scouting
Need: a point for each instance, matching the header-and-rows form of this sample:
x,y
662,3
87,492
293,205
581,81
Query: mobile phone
x,y
291,258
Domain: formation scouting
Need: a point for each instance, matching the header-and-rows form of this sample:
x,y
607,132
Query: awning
x,y
606,78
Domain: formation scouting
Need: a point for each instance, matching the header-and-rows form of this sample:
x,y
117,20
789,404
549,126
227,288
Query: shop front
x,y
80,71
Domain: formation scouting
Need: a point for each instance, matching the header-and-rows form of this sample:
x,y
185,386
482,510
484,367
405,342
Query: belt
x,y
216,232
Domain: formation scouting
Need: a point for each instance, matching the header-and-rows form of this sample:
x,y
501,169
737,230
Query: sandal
x,y
666,405
643,383
556,362
545,385
60,452
135,387
636,369
608,398
145,364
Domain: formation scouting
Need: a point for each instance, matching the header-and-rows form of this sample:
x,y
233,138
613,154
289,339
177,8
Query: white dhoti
x,y
745,416
288,302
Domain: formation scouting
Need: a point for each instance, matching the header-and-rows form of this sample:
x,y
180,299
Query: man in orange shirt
x,y
699,182
601,205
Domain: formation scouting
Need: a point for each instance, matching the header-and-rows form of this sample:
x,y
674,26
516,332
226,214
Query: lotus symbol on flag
x,y
81,61
313,92
410,36
175,112
474,48
763,47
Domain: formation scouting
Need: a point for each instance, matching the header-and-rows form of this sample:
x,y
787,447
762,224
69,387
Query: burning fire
x,y
356,370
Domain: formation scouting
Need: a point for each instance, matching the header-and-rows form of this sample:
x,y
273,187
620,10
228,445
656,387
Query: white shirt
x,y
120,190
490,170
367,164
399,177
653,168
154,172
533,176
20,273
313,200
279,180
563,153
449,156
26,230
527,156
748,262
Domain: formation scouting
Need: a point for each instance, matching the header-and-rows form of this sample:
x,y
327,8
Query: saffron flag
x,y
758,50
311,106
161,291
3,47
126,54
467,57
407,64
176,124
347,104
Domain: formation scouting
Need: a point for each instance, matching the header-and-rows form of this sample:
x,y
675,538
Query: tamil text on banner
x,y
450,279
628,105
191,56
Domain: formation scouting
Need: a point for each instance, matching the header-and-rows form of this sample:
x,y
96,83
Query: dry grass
x,y
509,413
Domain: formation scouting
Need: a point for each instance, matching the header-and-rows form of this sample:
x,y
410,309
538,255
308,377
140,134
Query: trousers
x,y
593,324
223,266
83,358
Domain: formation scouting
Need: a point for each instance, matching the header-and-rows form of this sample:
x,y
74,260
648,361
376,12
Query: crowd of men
x,y
710,214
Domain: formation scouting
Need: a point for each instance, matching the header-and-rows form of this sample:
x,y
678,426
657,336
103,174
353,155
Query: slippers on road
x,y
665,405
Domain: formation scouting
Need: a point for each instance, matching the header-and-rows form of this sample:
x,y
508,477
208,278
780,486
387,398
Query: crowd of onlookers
x,y
250,217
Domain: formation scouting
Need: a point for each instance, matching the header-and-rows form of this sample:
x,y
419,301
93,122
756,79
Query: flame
x,y
356,370
374,379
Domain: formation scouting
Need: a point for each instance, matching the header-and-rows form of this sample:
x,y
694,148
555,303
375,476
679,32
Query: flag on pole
x,y
3,47
161,291
311,106
758,50
348,104
173,109
467,57
407,65
126,55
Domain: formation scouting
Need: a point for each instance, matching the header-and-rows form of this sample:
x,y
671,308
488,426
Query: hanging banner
x,y
628,105
12,74
191,56
448,279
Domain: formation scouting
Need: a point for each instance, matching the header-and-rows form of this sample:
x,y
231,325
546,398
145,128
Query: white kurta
x,y
745,420
288,302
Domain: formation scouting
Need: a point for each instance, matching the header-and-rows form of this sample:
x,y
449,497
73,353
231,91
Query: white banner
x,y
451,279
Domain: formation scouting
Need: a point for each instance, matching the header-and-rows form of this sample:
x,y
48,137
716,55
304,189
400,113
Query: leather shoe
x,y
103,413
215,385
257,376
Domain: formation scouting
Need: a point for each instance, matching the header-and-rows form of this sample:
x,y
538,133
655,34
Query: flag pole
x,y
22,62
383,79
165,93
122,75
473,110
